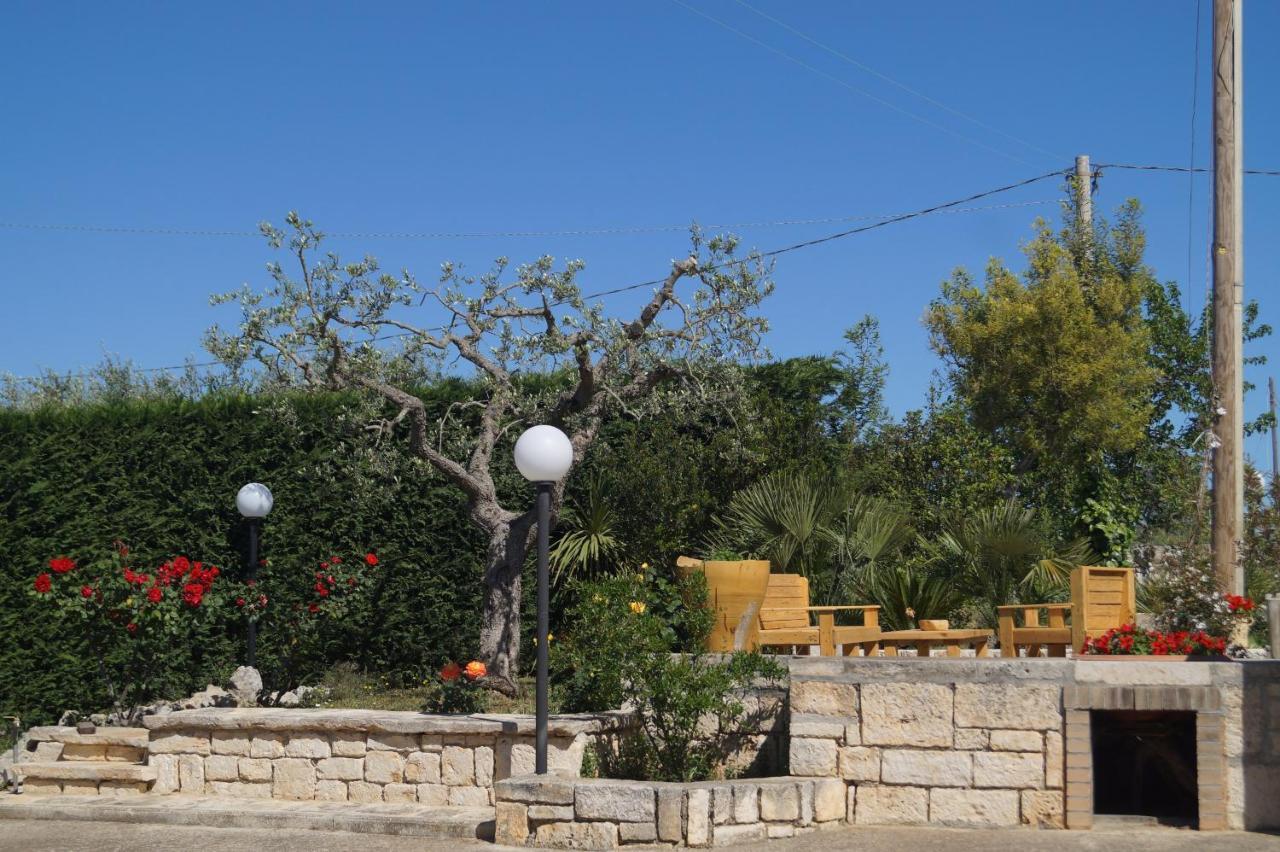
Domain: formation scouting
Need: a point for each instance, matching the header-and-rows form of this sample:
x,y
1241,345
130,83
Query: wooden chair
x,y
786,621
1101,598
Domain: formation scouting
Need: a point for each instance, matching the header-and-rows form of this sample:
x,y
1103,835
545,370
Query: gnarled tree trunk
x,y
509,538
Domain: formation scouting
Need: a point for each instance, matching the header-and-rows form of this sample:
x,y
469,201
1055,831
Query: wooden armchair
x,y
1101,598
786,621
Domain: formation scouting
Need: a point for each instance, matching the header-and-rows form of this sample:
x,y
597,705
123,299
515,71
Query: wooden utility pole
x,y
1275,445
1084,196
1228,296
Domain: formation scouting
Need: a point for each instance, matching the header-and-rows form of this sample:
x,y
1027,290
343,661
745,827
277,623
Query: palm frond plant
x,y
588,545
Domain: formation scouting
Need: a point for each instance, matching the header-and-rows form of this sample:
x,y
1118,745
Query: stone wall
x,y
357,755
985,742
562,812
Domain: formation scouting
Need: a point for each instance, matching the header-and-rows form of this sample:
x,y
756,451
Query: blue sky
x,y
509,116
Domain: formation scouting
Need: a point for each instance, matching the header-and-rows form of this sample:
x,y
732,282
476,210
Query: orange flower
x,y
475,670
450,672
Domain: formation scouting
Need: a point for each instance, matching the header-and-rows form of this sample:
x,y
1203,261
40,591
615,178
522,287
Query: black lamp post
x,y
254,502
543,455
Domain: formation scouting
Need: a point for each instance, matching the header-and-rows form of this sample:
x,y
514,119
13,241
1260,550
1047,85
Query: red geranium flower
x,y
450,672
370,559
131,627
43,583
86,592
313,608
239,601
61,564
192,594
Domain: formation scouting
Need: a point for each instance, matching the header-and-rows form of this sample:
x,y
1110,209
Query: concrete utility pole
x,y
1084,196
1228,295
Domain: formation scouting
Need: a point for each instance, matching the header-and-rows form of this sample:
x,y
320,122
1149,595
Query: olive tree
x,y
327,325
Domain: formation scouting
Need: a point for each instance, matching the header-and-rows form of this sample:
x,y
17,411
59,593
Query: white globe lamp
x,y
543,454
254,500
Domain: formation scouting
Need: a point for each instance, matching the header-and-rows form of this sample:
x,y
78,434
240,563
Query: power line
x,y
945,207
846,84
903,86
1196,169
431,235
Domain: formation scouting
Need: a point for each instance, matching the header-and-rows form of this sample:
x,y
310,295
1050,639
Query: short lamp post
x,y
543,456
254,502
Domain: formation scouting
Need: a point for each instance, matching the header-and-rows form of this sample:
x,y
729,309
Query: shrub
x,y
1130,640
619,652
1182,595
457,689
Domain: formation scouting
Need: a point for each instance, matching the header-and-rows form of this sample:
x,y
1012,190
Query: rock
x,y
468,797
828,799
511,824
813,756
245,686
308,746
891,806
1016,741
620,801
382,767
294,778
422,768
927,768
746,803
973,807
222,767
1042,808
779,802
670,816
860,763
1009,706
699,806
823,698
907,714
340,769
458,766
1008,769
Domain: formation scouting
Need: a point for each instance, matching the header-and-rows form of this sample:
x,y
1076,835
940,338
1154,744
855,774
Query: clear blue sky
x,y
502,116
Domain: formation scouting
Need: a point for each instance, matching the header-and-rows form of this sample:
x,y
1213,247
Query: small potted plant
x,y
1129,642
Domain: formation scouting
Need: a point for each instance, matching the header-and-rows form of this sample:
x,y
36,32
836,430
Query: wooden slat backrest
x,y
784,594
1103,598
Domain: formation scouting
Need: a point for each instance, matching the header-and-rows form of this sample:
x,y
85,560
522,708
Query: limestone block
x,y
860,763
293,778
119,789
256,769
823,698
543,789
191,773
915,714
222,767
125,754
1016,741
721,804
483,756
637,832
805,725
84,751
240,789
79,788
422,768
515,756
746,803
990,808
340,769
457,767
698,831
805,788
550,813
402,793
363,791
1042,808
331,791
972,739
231,742
381,741
433,794
166,773
853,733
927,768
877,805
728,835
572,835
1008,769
621,801
828,799
41,787
179,742
813,757
469,797
1054,771
383,767
670,814
431,742
267,744
1016,706
47,752
510,824
305,745
348,744
779,802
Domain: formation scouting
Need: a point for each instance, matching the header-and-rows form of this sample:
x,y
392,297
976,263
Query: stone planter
x,y
732,588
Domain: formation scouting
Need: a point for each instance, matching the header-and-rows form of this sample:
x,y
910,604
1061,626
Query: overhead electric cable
x,y
903,217
846,84
1196,169
903,86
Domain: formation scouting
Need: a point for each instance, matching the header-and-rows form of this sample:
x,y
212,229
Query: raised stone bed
x,y
590,813
358,755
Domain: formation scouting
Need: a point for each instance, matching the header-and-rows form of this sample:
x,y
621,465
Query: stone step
x,y
131,737
228,812
44,776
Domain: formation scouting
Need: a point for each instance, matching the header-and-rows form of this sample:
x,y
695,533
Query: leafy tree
x,y
327,326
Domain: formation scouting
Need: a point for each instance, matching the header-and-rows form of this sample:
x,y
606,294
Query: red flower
x,y
450,672
313,608
86,592
262,600
475,670
239,601
131,627
192,594
61,564
43,583
370,559
181,564
335,560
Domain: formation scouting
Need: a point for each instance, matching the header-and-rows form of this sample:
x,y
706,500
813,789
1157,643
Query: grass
x,y
349,687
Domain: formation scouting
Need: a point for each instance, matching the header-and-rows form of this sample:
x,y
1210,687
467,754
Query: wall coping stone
x,y
381,721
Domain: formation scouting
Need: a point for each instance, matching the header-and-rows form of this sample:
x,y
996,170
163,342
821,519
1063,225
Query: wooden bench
x,y
924,641
786,620
1102,597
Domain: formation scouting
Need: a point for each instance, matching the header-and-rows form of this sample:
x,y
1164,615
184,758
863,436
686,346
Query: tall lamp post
x,y
543,455
254,502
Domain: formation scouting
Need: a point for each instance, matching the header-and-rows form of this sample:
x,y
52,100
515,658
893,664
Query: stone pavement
x,y
66,836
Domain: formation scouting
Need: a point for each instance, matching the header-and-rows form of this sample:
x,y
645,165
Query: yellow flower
x,y
550,638
644,566
637,607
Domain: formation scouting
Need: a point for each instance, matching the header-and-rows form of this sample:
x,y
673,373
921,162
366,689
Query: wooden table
x,y
926,640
